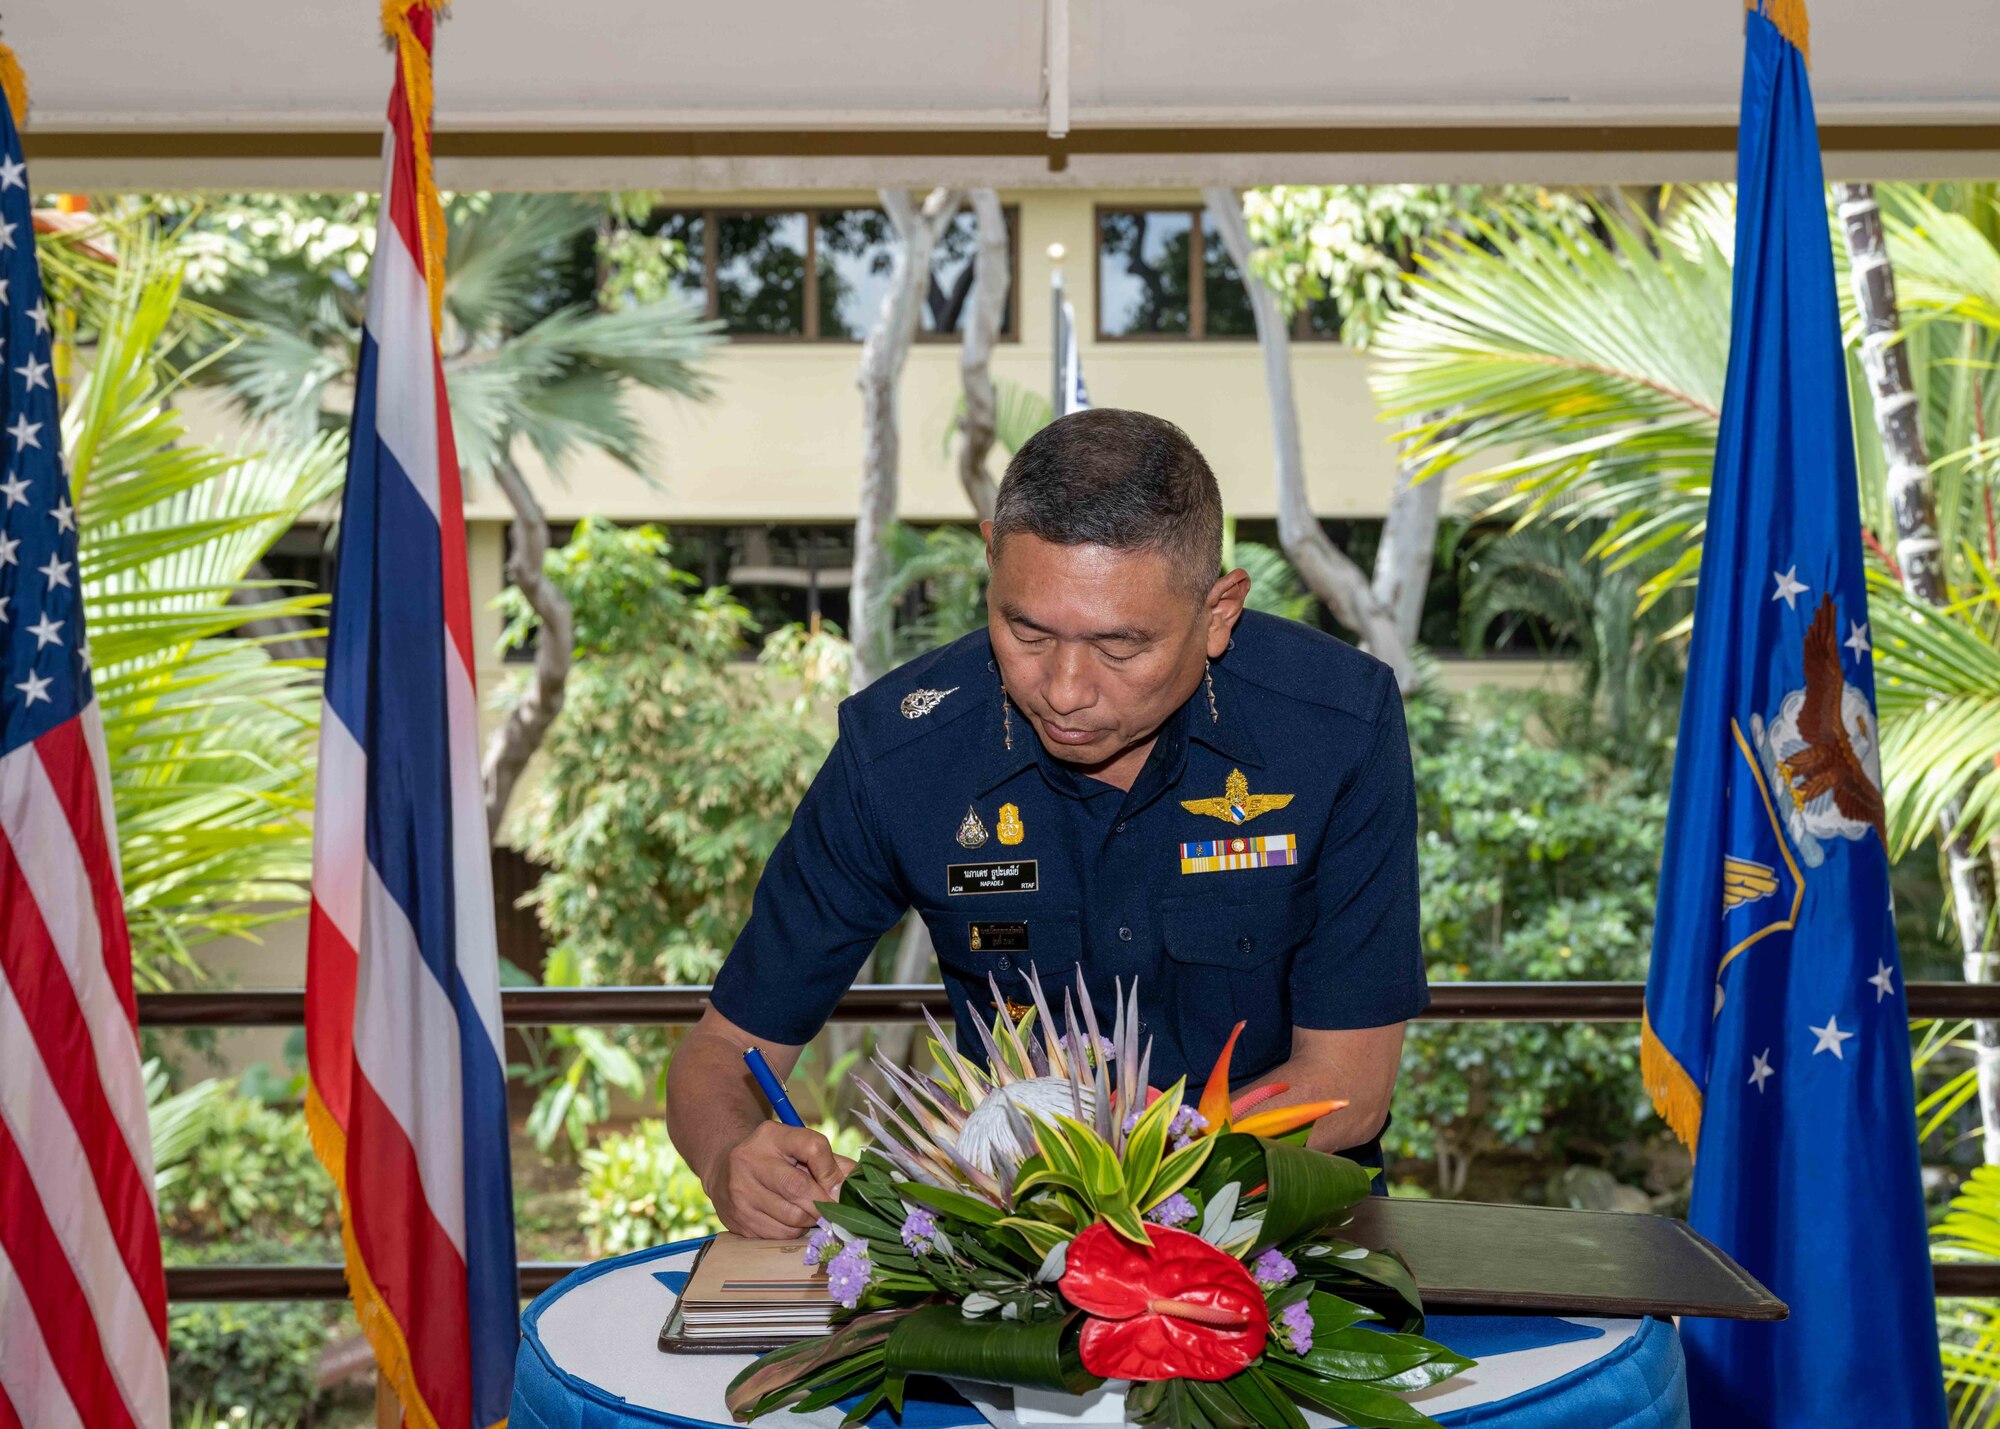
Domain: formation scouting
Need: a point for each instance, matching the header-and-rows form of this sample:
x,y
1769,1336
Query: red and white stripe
x,y
82,1291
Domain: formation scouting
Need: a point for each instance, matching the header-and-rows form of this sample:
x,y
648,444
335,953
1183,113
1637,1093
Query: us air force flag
x,y
1776,1042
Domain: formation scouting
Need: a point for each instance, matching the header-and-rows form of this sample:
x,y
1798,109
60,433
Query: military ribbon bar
x,y
1227,855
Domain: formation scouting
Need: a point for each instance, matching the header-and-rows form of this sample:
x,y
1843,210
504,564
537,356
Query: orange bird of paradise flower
x,y
1221,1114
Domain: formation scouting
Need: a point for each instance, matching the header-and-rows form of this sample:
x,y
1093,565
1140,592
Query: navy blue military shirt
x,y
1261,869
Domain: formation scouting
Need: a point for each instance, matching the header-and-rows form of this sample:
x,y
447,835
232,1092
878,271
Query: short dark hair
x,y
1123,480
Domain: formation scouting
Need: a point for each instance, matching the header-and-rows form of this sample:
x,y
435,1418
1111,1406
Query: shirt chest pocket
x,y
1003,942
1232,962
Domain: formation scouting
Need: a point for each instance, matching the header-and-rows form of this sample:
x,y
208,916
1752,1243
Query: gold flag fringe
x,y
415,68
14,80
1790,18
1673,1091
378,1322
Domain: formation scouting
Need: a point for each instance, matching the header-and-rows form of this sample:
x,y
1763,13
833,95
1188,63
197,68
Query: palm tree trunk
x,y
882,356
975,362
1327,570
1899,419
511,745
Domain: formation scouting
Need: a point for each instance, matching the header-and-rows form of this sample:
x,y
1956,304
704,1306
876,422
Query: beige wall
x,y
781,441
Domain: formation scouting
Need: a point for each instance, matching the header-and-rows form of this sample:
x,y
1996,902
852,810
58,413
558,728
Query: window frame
x,y
810,324
1301,330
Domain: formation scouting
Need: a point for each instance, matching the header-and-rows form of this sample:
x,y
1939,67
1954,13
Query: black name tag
x,y
1000,937
1019,877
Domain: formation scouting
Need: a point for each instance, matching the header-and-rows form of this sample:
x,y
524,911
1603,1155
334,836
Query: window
x,y
819,276
1152,283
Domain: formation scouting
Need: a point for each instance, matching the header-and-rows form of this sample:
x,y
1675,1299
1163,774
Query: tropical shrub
x,y
1537,864
248,1170
261,1357
675,765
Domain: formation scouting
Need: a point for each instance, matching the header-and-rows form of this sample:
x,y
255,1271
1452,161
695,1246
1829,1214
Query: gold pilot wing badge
x,y
1010,829
1237,804
918,703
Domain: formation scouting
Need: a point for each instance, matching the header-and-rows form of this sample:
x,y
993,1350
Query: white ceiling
x,y
106,72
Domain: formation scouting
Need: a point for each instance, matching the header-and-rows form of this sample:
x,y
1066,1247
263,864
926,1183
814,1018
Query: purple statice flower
x,y
1297,1321
1272,1270
820,1242
847,1274
918,1228
1187,1121
1132,1121
1176,1210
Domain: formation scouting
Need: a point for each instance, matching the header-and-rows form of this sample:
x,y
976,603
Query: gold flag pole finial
x,y
1790,18
398,26
14,80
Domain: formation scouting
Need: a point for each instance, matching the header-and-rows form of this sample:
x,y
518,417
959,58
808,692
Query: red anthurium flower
x,y
1176,1309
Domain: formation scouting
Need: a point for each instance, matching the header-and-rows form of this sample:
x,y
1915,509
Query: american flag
x,y
408,1097
83,1301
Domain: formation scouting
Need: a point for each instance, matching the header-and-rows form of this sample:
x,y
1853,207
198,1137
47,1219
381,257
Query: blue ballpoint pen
x,y
774,1090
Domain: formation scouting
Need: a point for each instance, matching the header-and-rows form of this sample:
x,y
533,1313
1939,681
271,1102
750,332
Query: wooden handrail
x,y
907,1002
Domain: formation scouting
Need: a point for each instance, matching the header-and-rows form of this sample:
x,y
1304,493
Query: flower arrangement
x,y
1051,1222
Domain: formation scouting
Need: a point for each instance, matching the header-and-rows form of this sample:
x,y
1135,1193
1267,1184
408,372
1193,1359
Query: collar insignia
x,y
1237,804
918,703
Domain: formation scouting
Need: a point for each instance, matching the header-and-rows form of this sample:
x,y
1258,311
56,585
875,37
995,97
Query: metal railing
x,y
879,1003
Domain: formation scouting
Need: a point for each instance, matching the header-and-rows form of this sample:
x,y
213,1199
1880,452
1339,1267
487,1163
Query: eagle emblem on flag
x,y
1237,804
1821,753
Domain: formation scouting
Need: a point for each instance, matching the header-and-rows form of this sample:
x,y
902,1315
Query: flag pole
x,y
1055,331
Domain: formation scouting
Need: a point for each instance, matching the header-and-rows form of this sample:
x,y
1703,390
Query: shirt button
x,y
1006,963
1243,944
1121,827
1124,935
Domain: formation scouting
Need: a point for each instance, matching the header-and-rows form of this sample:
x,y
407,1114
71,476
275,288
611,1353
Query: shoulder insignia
x,y
918,703
1237,804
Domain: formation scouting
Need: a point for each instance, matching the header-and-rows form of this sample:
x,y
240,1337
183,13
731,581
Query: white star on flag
x,y
1760,1070
83,654
46,631
6,235
37,688
25,433
1884,981
34,372
1830,1037
13,173
1790,588
15,489
57,571
5,601
65,515
39,315
7,549
1857,639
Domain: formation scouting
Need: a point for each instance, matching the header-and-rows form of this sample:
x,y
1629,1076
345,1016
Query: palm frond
x,y
210,739
1600,362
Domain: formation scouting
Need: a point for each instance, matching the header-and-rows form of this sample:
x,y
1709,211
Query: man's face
x,y
1098,647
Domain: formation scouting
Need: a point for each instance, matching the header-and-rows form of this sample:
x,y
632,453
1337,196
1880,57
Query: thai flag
x,y
403,1038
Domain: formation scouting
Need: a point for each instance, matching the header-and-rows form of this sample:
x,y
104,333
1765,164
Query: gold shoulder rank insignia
x,y
918,703
1745,882
1237,804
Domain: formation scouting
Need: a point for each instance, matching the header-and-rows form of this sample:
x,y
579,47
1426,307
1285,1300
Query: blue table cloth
x,y
589,1359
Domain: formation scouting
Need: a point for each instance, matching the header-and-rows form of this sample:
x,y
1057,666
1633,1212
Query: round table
x,y
589,1360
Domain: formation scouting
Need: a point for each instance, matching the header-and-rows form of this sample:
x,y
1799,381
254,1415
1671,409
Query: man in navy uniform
x,y
1124,771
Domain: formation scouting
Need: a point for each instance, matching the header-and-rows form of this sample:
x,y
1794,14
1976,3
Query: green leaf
x,y
1175,1172
952,1203
1375,1268
1232,1157
856,1220
1147,1142
1267,1404
1307,1189
1040,1235
939,1340
1102,1175
760,1386
1360,1405
1366,1355
1220,1405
